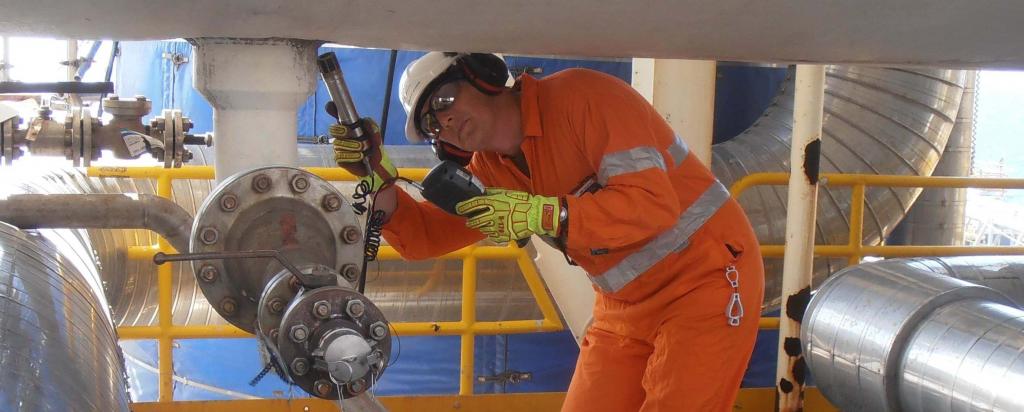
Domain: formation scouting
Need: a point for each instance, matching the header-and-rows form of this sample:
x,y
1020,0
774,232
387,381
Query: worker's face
x,y
468,118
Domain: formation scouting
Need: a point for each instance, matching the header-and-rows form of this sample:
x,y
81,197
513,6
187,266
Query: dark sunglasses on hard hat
x,y
442,99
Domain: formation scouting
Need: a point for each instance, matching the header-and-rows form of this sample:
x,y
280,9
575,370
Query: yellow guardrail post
x,y
164,302
468,319
856,224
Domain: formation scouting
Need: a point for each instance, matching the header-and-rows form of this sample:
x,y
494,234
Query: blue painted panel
x,y
742,93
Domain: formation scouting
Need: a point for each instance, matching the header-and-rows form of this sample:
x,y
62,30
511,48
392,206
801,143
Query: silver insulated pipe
x,y
58,350
907,335
876,121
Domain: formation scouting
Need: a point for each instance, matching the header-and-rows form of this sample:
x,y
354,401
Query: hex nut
x,y
274,333
378,330
355,308
322,309
331,202
209,235
350,272
299,333
300,366
228,306
276,306
350,234
261,183
208,273
299,184
322,387
228,202
357,386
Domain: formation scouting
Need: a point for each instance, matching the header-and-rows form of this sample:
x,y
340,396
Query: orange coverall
x,y
656,239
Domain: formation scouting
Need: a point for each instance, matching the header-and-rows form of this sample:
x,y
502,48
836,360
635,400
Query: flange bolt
x,y
322,309
331,202
350,234
209,235
299,333
378,330
208,273
355,308
300,184
228,306
300,366
228,202
261,183
276,306
322,388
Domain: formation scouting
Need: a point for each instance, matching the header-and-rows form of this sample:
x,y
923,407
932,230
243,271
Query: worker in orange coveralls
x,y
581,159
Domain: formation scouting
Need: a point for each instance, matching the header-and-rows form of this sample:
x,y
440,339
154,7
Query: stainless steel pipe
x,y
100,211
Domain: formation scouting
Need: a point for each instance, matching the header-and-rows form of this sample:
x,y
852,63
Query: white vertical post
x,y
683,92
255,88
800,218
5,59
72,59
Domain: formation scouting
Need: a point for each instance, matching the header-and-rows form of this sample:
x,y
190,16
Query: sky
x,y
999,125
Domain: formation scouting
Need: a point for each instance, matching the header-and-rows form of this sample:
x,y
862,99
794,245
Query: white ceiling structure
x,y
949,33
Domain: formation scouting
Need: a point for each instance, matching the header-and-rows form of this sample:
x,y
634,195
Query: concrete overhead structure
x,y
954,33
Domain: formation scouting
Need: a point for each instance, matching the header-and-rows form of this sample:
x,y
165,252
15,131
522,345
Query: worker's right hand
x,y
355,154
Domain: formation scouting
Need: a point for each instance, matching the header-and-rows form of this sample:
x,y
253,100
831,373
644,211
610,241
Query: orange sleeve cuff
x,y
420,230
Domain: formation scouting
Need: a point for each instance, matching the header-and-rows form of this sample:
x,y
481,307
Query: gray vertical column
x,y
937,217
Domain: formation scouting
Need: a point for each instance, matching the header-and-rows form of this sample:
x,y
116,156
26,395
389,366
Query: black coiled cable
x,y
362,200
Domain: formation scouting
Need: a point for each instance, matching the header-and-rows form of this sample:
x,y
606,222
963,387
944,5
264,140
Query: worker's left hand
x,y
506,215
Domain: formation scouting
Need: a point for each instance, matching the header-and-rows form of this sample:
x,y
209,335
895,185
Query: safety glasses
x,y
442,99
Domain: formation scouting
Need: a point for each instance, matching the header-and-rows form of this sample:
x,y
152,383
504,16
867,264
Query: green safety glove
x,y
506,215
354,155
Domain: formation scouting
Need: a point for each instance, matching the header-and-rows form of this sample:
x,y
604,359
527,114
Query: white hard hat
x,y
417,76
487,72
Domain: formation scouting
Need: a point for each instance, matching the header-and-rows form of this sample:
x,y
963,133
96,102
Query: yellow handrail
x,y
468,328
855,249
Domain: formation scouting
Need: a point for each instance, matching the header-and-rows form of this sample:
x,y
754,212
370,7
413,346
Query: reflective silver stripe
x,y
629,161
670,241
678,150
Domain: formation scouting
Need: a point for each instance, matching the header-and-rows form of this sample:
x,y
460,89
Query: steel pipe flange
x,y
342,348
275,217
278,296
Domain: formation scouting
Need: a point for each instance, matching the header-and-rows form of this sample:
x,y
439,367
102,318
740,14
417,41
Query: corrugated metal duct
x,y
58,350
